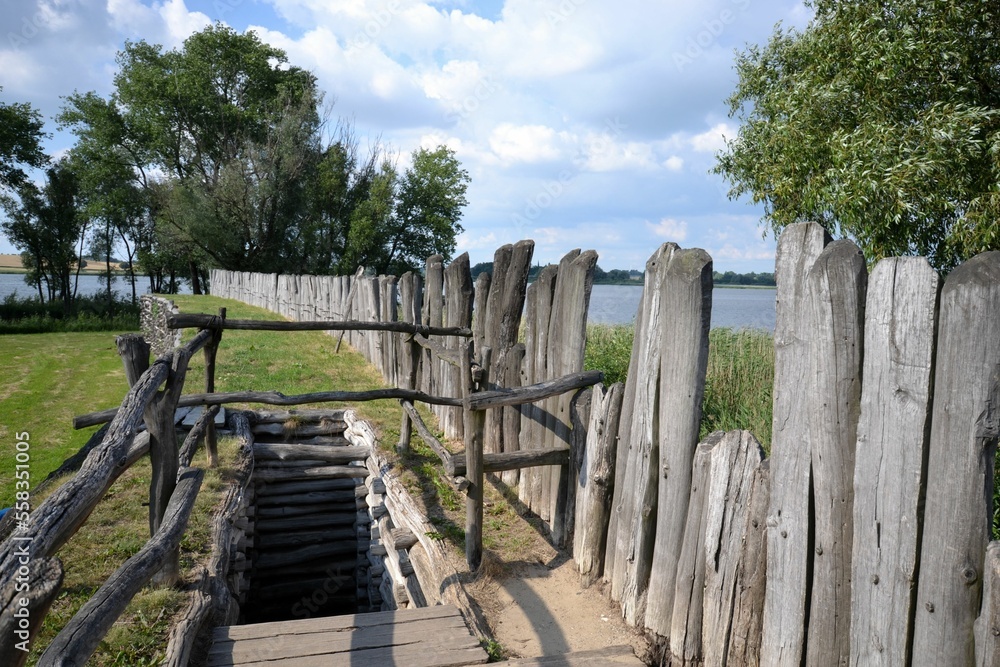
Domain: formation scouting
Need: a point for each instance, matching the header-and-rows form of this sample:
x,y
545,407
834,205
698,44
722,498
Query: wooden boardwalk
x,y
424,637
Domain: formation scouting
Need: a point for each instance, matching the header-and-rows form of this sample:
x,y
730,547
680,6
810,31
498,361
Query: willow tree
x,y
881,121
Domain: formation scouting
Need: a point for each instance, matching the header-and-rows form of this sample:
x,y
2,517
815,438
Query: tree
x,y
881,121
48,225
20,143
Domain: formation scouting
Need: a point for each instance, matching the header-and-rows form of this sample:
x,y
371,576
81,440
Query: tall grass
x,y
738,382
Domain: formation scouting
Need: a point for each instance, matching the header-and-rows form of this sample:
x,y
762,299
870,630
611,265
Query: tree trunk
x,y
195,278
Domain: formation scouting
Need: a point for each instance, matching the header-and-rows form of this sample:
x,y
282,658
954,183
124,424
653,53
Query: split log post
x,y
686,309
481,297
579,414
432,315
596,483
735,461
474,423
900,323
837,286
965,424
211,440
567,342
458,313
689,587
987,626
512,415
185,631
409,286
80,637
788,521
199,429
22,610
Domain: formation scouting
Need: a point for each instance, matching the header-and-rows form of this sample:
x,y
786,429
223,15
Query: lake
x,y
735,308
609,304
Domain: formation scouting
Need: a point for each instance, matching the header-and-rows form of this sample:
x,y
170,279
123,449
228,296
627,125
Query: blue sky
x,y
582,123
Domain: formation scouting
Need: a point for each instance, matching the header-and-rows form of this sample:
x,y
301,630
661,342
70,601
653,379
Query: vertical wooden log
x,y
689,586
595,486
474,422
432,315
987,626
534,413
567,342
134,351
527,410
734,462
900,323
459,296
482,297
409,350
686,310
579,413
211,440
744,644
838,283
512,415
788,538
635,502
964,427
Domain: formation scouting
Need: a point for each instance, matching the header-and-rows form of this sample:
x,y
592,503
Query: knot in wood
x,y
666,469
969,575
929,607
995,631
819,550
784,533
875,579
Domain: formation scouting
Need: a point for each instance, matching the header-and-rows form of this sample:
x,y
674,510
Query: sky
x,y
582,123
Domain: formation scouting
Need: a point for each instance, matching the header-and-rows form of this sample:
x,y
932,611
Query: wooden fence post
x,y
837,285
24,602
965,424
211,441
474,422
788,518
536,336
432,314
458,313
900,323
987,626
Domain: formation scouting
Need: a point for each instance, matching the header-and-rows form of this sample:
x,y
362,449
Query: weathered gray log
x,y
444,354
428,437
299,538
579,413
349,303
485,400
80,637
335,416
525,458
277,398
567,341
689,586
474,423
292,452
458,313
410,353
596,482
987,626
323,472
744,641
432,315
788,520
686,309
192,320
195,435
299,431
536,332
837,286
479,302
900,322
305,522
62,513
965,424
512,415
211,350
185,630
735,460
134,352
635,503
311,486
24,602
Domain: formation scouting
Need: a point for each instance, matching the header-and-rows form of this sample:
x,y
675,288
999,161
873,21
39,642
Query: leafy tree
x,y
48,225
20,143
881,121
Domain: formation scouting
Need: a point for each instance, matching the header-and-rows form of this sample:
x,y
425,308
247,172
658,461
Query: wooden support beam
x,y
190,321
201,428
475,421
429,439
525,458
26,600
502,397
211,441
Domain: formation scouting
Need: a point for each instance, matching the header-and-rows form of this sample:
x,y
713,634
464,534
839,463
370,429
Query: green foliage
x,y
881,121
609,349
755,279
20,143
493,649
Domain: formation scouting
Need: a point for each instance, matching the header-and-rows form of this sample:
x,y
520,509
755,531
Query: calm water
x,y
736,308
89,284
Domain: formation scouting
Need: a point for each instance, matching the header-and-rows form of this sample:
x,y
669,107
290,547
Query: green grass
x,y
738,380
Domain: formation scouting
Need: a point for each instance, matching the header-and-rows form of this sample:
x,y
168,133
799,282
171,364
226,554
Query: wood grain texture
x,y
458,313
964,427
987,626
687,316
893,431
788,547
735,460
42,578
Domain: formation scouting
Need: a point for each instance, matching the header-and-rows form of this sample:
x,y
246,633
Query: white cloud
x,y
466,242
673,163
524,143
669,229
714,140
729,251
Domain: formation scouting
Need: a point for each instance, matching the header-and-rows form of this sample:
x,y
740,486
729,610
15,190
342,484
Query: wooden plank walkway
x,y
425,637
